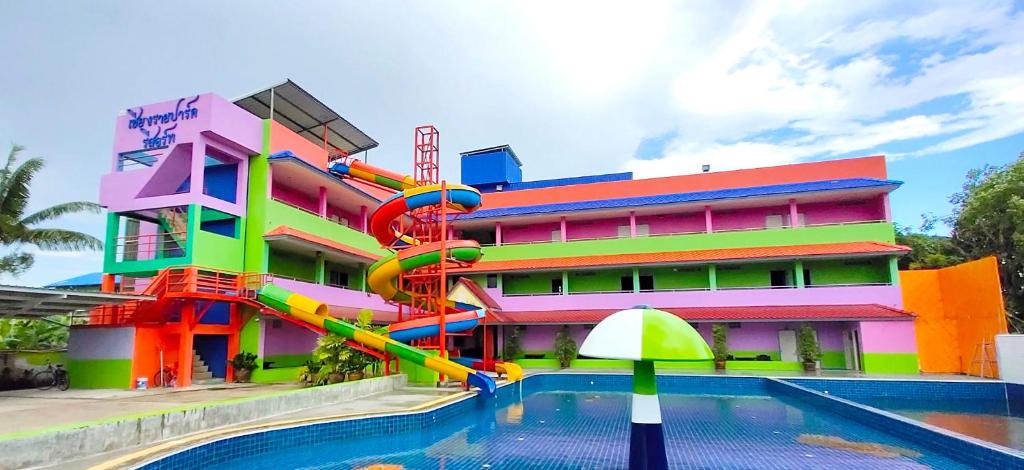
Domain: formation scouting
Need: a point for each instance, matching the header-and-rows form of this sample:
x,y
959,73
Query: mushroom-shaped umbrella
x,y
644,335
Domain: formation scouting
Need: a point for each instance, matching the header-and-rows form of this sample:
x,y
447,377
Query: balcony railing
x,y
689,232
314,213
693,289
149,247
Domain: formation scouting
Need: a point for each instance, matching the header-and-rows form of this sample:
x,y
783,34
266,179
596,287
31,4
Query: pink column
x,y
562,227
497,233
887,208
197,183
322,202
794,216
362,218
707,219
632,224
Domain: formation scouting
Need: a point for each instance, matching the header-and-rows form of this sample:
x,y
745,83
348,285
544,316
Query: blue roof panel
x,y
716,195
85,280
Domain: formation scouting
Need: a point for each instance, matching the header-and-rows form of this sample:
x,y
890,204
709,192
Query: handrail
x,y
315,214
694,289
693,232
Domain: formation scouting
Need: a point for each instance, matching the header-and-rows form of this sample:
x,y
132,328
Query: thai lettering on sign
x,y
162,136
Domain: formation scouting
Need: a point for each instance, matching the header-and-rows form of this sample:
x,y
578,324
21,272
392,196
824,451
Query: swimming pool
x,y
582,421
981,409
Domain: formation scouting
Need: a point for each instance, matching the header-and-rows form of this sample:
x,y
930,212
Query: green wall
x,y
851,271
750,275
292,265
278,214
882,231
256,205
890,363
688,277
535,283
598,281
833,360
100,373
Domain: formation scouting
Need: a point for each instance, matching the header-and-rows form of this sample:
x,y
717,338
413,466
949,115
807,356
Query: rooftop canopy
x,y
36,302
301,112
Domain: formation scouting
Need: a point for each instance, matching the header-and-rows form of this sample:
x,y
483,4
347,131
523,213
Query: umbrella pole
x,y
646,441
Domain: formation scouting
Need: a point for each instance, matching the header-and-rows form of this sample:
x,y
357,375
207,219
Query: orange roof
x,y
283,231
691,256
864,167
703,314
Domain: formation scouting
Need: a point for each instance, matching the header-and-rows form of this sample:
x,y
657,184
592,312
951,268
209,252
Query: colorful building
x,y
207,196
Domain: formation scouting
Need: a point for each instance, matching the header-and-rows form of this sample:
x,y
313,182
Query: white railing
x,y
314,213
694,289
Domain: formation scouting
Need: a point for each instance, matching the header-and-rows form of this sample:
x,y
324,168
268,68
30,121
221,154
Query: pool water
x,y
555,424
989,420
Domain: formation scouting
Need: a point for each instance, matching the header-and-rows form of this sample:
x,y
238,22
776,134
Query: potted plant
x,y
355,365
309,373
565,347
243,364
513,346
720,344
807,348
333,354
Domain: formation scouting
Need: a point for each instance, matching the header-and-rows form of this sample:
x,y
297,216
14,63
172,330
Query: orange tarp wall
x,y
957,309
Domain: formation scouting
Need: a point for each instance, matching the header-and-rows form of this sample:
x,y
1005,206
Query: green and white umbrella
x,y
644,335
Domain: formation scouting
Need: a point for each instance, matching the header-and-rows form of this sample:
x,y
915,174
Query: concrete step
x,y
207,375
202,368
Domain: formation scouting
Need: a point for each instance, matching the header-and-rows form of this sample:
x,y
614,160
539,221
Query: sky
x,y
654,87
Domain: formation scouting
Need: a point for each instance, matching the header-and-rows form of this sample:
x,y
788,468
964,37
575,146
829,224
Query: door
x,y
787,345
851,348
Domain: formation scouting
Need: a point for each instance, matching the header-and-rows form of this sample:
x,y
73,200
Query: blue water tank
x,y
491,168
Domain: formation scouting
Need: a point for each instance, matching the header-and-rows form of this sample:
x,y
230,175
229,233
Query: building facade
x,y
206,196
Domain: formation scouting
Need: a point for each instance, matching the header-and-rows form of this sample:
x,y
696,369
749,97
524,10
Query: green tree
x,y
988,219
33,334
927,251
18,229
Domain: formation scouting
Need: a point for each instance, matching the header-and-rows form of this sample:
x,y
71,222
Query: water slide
x,y
382,276
315,314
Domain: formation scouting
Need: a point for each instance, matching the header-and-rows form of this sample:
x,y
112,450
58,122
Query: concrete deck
x,y
31,410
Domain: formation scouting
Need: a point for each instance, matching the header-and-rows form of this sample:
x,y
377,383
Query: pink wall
x,y
282,138
294,197
849,295
538,338
674,223
604,228
288,339
836,212
528,233
335,296
888,337
745,218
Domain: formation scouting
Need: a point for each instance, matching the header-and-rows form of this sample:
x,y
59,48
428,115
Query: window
x,y
807,277
556,286
773,221
556,235
492,281
337,278
646,282
643,230
623,231
779,278
626,283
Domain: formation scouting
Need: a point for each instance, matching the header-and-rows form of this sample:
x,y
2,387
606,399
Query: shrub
x,y
244,361
513,345
565,347
807,345
720,341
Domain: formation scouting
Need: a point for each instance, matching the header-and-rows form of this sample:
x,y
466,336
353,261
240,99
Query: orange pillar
x,y
488,358
235,324
107,283
188,314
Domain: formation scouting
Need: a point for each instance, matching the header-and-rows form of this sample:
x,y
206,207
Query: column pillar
x,y
708,227
188,314
362,219
632,224
322,202
636,279
886,208
794,216
712,277
562,228
321,268
798,271
894,271
497,234
565,281
501,283
235,328
366,271
196,181
107,284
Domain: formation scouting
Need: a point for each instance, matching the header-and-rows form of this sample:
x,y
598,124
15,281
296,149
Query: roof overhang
x,y
294,172
298,110
764,314
37,302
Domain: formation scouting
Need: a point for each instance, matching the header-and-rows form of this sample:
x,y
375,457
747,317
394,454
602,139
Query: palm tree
x,y
17,229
